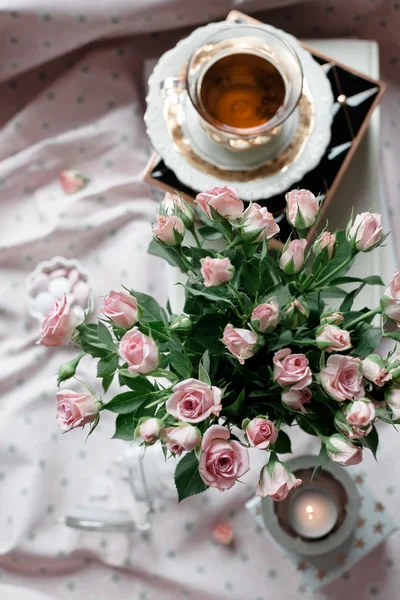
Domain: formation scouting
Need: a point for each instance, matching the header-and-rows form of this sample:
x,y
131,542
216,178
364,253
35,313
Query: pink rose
x,y
265,316
240,342
169,230
295,399
258,218
194,401
139,351
366,232
75,410
325,240
184,438
292,258
301,208
361,413
224,200
295,314
291,369
333,339
342,452
223,533
390,302
278,484
331,318
360,432
151,430
373,369
72,181
121,308
392,397
342,378
174,204
261,433
221,462
59,324
216,271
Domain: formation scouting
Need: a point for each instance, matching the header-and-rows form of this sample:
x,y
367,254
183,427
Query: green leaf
x,y
180,362
210,233
322,459
214,296
168,254
150,310
93,426
281,294
107,366
394,335
283,444
369,340
348,301
124,427
107,381
234,409
335,292
372,280
208,332
204,368
187,477
129,402
371,441
284,339
105,336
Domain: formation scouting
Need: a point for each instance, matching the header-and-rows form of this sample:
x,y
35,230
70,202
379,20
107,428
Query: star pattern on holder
x,y
378,527
379,507
360,523
359,543
302,565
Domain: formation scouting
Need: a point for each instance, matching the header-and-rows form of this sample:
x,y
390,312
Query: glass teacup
x,y
244,82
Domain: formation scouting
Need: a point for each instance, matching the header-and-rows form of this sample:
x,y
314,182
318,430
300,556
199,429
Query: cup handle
x,y
172,85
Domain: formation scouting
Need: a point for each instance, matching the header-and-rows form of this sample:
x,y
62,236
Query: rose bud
x,y
222,462
366,232
222,201
223,533
390,301
291,370
242,343
374,370
75,409
325,241
59,324
68,369
139,351
292,259
342,378
331,318
342,452
176,205
392,397
277,483
295,314
393,366
265,316
360,413
261,432
295,399
256,218
194,401
333,339
72,181
342,425
183,438
169,230
181,324
301,208
150,430
216,271
121,308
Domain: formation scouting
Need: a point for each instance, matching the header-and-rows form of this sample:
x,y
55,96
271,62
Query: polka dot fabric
x,y
72,98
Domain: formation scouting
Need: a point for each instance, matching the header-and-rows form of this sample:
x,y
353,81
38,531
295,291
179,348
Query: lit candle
x,y
313,513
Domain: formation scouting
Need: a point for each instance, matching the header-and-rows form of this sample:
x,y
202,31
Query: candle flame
x,y
309,509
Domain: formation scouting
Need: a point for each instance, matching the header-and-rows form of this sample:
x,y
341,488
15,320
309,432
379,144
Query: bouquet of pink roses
x,y
257,349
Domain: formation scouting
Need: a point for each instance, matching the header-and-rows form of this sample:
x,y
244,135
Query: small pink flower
x,y
151,430
221,462
184,438
59,324
257,218
291,370
75,410
391,299
361,413
345,453
342,378
240,342
174,204
223,533
194,401
169,230
216,271
331,318
224,200
333,339
265,316
121,308
301,208
292,259
72,181
139,351
277,485
392,397
261,433
366,232
325,240
373,370
295,399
